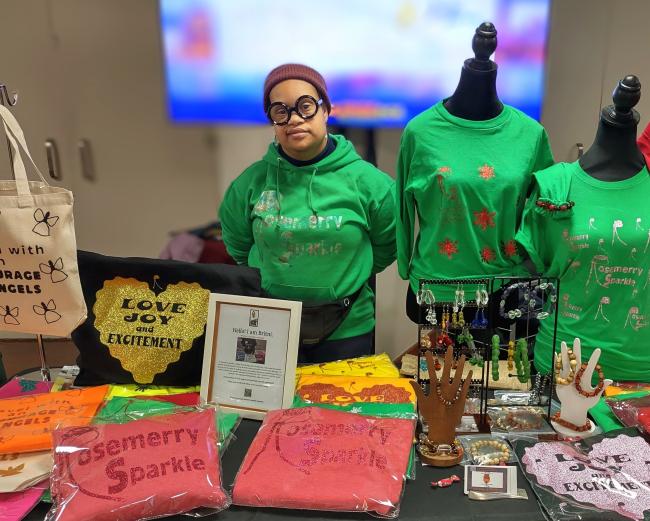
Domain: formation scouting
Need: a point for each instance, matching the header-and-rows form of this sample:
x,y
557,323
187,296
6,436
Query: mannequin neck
x,y
475,97
614,154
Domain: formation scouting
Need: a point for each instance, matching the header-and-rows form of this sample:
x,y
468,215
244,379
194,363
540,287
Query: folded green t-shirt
x,y
603,415
121,410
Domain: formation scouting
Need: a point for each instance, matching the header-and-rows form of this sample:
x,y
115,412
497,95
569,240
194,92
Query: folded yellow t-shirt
x,y
344,390
374,365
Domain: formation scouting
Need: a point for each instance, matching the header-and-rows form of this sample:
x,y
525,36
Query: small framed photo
x,y
491,478
250,354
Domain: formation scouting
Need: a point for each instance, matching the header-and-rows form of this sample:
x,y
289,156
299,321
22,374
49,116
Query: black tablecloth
x,y
420,500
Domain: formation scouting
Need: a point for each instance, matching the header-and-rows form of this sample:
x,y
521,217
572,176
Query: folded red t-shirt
x,y
322,459
138,470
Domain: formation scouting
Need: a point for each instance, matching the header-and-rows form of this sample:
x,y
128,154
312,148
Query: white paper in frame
x,y
250,354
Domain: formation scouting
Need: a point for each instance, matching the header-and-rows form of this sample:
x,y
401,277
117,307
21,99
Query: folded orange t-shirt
x,y
346,390
26,423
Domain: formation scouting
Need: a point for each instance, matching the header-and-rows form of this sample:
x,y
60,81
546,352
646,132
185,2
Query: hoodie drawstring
x,y
309,192
277,193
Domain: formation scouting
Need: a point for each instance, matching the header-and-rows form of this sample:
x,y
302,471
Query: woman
x,y
316,219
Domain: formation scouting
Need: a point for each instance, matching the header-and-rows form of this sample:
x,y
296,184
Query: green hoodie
x,y
317,233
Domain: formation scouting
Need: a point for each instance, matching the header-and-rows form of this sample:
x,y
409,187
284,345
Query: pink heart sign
x,y
614,475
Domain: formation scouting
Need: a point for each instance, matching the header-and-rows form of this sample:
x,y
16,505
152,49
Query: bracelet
x,y
552,298
513,313
521,361
438,449
495,357
559,366
528,307
501,454
570,425
513,423
599,386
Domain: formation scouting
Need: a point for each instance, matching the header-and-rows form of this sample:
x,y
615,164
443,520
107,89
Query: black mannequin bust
x,y
475,97
614,154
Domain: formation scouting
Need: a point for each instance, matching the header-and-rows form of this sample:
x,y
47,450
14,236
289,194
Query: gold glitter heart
x,y
146,332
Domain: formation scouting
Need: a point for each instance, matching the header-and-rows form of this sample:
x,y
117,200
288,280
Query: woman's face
x,y
300,139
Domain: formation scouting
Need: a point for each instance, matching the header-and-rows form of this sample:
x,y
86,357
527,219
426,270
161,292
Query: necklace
x,y
445,401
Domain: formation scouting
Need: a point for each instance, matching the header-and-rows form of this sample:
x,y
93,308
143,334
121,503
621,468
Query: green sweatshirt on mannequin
x,y
317,233
466,181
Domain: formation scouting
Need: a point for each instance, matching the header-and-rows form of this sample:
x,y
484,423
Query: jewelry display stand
x,y
438,329
522,301
442,410
575,392
485,312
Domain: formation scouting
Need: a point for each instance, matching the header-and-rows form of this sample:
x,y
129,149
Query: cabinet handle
x,y
53,161
86,158
581,149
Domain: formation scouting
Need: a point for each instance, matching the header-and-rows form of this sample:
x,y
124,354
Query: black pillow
x,y
146,317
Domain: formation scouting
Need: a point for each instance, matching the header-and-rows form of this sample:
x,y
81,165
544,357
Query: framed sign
x,y
250,354
493,479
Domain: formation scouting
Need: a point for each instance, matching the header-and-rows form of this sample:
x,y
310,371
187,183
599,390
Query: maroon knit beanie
x,y
295,71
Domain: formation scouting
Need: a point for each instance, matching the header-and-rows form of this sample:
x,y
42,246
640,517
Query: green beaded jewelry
x,y
495,357
521,361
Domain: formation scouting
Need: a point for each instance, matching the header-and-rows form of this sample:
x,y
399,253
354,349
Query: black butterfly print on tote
x,y
10,315
54,270
48,311
45,221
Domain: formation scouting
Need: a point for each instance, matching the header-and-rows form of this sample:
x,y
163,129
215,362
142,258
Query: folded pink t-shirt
x,y
321,459
138,470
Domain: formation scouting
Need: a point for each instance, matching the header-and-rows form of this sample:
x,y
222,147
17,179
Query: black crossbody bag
x,y
319,321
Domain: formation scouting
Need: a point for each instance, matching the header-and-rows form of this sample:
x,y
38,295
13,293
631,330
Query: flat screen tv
x,y
384,61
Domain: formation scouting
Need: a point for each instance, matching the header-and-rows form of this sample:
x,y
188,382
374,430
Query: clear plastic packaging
x,y
484,449
599,478
519,419
377,409
632,412
122,409
321,459
27,421
147,468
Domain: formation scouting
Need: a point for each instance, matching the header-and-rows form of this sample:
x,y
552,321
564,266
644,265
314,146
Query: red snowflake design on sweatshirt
x,y
487,254
444,170
448,247
484,219
510,249
486,172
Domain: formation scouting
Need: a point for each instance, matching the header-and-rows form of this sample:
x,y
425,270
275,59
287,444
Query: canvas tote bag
x,y
40,291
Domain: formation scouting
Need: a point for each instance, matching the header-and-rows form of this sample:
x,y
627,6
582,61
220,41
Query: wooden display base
x,y
440,460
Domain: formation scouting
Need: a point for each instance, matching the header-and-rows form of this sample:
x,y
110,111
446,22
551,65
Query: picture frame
x,y
250,354
490,479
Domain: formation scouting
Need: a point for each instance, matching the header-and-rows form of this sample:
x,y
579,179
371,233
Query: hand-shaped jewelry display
x,y
574,390
442,410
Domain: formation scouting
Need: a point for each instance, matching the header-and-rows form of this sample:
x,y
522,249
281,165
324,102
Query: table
x,y
420,500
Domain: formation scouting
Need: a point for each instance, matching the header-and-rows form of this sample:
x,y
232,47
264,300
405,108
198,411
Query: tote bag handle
x,y
16,137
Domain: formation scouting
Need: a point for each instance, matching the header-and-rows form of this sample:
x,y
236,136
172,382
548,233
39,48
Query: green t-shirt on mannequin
x,y
600,251
466,181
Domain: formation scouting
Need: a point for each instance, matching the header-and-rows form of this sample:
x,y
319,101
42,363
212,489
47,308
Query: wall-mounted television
x,y
384,61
